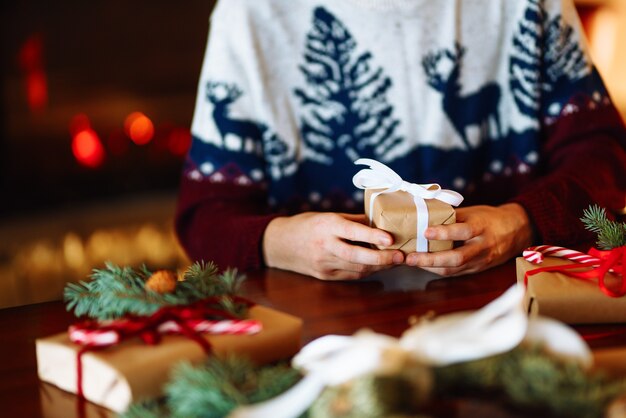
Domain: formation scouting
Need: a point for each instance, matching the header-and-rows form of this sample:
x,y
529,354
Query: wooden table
x,y
383,304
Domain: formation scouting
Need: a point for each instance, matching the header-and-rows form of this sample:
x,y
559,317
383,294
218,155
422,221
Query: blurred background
x,y
96,103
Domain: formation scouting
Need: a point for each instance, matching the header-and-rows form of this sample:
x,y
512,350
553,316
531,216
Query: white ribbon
x,y
496,328
379,176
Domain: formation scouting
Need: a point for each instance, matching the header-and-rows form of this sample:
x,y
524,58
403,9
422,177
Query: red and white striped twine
x,y
101,338
226,326
93,338
536,254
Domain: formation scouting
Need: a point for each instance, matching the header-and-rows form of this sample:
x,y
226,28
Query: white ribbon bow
x,y
379,176
496,328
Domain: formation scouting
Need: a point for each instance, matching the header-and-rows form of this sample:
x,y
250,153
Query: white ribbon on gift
x,y
497,328
379,176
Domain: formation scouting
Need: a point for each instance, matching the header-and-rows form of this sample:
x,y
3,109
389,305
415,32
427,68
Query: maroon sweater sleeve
x,y
584,163
221,222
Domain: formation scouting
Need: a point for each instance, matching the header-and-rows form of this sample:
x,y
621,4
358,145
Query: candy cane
x,y
536,254
226,326
93,338
101,338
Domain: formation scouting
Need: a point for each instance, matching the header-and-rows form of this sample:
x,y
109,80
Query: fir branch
x,y
594,218
114,292
215,388
610,234
531,378
148,409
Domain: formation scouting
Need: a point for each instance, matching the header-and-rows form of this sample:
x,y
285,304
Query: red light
x,y
31,61
179,141
139,128
87,148
36,90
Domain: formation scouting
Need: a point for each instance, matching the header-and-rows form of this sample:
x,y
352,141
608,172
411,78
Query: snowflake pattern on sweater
x,y
339,100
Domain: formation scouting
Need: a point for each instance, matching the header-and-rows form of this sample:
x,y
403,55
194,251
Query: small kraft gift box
x,y
405,209
571,286
577,287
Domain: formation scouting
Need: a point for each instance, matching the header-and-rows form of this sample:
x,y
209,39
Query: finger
x,y
356,217
457,257
475,266
450,271
453,232
337,275
360,255
463,214
351,271
354,231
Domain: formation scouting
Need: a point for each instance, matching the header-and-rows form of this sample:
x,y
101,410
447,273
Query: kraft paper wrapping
x,y
57,403
132,370
396,214
571,300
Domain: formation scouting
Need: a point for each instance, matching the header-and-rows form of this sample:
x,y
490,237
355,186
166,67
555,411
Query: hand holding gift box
x,y
405,209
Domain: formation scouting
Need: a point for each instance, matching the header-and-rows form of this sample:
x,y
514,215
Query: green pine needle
x,y
216,387
147,409
529,378
610,234
114,292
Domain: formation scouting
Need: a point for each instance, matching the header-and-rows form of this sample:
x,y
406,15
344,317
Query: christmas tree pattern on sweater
x,y
345,113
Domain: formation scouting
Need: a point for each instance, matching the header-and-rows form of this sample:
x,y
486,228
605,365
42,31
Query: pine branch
x,y
114,292
215,388
531,378
147,409
610,234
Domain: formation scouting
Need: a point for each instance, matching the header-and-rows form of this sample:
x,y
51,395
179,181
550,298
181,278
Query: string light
x,y
139,128
31,62
87,148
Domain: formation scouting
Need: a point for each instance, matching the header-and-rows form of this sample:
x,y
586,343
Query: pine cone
x,y
162,281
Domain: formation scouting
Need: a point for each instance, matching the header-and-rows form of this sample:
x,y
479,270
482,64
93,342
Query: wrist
x,y
272,240
521,225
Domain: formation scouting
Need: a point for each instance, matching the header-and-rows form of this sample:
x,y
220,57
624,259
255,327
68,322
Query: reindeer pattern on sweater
x,y
456,93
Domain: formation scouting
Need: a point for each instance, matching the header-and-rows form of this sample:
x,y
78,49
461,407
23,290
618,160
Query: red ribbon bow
x,y
188,320
613,261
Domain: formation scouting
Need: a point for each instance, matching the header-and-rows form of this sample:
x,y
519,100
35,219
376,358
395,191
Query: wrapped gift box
x,y
571,300
396,214
133,371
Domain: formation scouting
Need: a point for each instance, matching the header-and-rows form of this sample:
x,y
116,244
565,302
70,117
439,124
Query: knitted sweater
x,y
495,99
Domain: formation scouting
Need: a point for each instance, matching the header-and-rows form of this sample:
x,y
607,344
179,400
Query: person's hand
x,y
490,236
325,245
